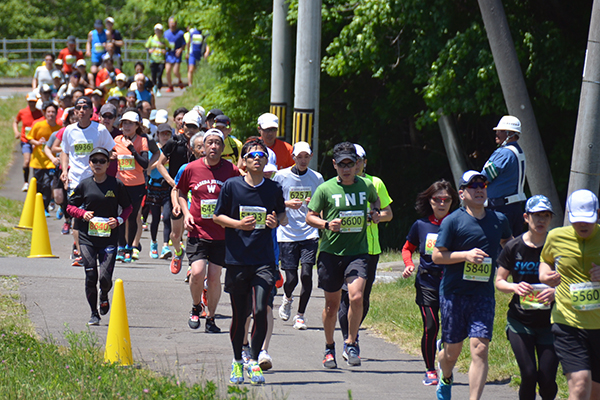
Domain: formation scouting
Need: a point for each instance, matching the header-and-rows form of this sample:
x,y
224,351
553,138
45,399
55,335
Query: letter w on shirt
x,y
211,188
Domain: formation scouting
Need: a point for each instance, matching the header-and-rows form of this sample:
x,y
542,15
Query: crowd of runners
x,y
109,162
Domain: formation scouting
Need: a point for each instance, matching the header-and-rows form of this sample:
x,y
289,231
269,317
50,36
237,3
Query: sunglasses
x,y
98,160
108,116
343,165
254,154
82,107
440,200
477,185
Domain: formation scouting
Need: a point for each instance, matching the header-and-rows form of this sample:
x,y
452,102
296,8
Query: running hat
x,y
509,123
213,113
222,120
100,150
121,77
200,110
344,154
97,92
162,116
191,117
468,176
158,26
214,132
583,207
270,168
45,88
146,123
106,57
360,151
71,40
131,116
268,120
31,96
98,23
110,19
80,63
130,93
85,100
56,74
113,98
538,203
152,114
165,128
300,147
58,62
108,108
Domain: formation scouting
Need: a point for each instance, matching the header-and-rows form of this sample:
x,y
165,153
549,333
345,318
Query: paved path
x,y
158,304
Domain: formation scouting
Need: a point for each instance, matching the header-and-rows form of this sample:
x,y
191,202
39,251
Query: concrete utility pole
x,y
281,69
308,71
585,162
517,101
456,159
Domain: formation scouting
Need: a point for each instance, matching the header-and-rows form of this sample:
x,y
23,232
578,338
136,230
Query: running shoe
x,y
246,354
66,229
444,389
158,93
285,310
104,305
255,373
135,254
51,206
95,319
265,361
120,254
169,89
165,253
300,323
59,213
211,326
77,262
25,187
181,85
176,262
188,274
46,213
194,320
237,373
431,378
351,349
204,293
127,257
154,250
145,227
329,359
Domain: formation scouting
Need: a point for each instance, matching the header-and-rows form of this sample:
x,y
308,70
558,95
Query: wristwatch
x,y
326,225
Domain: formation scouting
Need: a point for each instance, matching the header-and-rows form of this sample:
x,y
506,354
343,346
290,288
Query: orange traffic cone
x,y
118,342
40,240
26,221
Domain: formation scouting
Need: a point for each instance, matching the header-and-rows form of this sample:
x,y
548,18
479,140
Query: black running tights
x,y
431,325
166,219
256,301
543,374
291,281
94,271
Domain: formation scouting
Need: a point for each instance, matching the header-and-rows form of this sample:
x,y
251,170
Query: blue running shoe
x,y
120,253
255,373
444,390
165,253
237,373
59,213
153,250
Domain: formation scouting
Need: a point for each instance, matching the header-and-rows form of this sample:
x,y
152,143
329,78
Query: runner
x,y
570,263
43,73
233,146
95,45
206,240
249,207
467,246
174,53
157,46
142,94
298,241
26,116
433,204
178,119
195,52
131,149
528,325
96,201
268,125
343,202
69,55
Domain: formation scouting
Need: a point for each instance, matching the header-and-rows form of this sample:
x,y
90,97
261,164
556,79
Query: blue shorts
x,y
25,147
195,58
172,59
466,316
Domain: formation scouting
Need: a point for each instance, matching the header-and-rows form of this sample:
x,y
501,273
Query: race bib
x,y
300,193
352,221
27,129
126,162
83,149
70,59
98,226
430,240
585,296
530,300
478,272
99,48
197,39
259,214
207,208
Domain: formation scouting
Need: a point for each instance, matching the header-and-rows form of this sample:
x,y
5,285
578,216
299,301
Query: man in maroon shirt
x,y
206,240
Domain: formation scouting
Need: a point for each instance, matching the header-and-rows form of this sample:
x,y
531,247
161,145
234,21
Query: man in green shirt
x,y
157,46
340,207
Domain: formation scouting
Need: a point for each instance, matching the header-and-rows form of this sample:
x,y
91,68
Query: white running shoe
x,y
285,310
300,323
25,187
265,361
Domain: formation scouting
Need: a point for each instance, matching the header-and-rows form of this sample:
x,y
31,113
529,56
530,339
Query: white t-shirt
x,y
43,76
297,186
78,144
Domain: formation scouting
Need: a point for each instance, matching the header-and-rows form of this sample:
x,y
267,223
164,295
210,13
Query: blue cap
x,y
152,115
538,203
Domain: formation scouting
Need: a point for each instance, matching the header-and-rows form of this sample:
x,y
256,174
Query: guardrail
x,y
31,51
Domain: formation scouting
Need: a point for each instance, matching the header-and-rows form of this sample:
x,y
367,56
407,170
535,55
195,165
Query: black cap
x,y
343,151
71,40
98,23
213,113
222,119
100,150
164,128
86,100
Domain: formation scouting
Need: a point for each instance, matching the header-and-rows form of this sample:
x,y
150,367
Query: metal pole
x,y
308,68
585,165
281,68
539,177
29,59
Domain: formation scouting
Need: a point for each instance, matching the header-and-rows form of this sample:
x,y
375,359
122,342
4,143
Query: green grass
x,y
205,81
394,315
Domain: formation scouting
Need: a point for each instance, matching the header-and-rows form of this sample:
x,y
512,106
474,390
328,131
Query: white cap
x,y
509,123
200,110
31,96
110,19
45,88
214,132
582,206
107,56
270,168
268,120
146,123
360,151
131,116
162,116
191,117
121,77
98,92
80,63
56,74
158,26
300,147
468,176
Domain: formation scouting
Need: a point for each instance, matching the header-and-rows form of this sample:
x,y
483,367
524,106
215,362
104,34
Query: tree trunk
x,y
456,158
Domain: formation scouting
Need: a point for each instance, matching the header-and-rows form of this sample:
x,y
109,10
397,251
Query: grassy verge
x,y
393,314
205,82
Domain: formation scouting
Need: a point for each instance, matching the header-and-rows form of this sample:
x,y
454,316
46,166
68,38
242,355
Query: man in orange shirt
x,y
26,117
43,168
70,55
268,125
